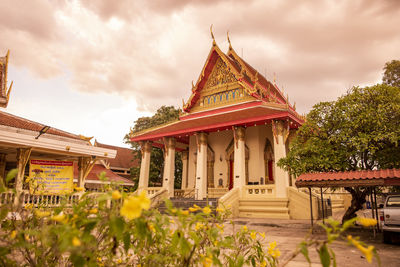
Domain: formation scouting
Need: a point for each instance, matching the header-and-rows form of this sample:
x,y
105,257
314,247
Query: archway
x,y
269,162
229,156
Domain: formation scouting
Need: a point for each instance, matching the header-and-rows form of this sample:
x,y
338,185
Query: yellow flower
x,y
99,259
13,234
174,210
253,235
119,261
220,210
132,208
245,228
27,179
207,262
192,209
26,237
273,251
76,242
196,207
59,217
366,222
366,251
206,210
185,212
42,214
144,200
262,234
93,211
220,226
79,189
151,227
216,243
198,226
28,206
263,263
171,221
116,195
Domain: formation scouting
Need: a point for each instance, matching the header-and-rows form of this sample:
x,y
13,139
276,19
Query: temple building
x,y
23,143
233,130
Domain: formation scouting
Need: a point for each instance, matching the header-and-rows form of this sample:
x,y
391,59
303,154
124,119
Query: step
x,y
276,208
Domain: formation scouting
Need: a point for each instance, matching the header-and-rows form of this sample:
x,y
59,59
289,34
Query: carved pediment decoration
x,y
220,75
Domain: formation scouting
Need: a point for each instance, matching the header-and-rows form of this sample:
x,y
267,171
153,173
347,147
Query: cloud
x,y
152,50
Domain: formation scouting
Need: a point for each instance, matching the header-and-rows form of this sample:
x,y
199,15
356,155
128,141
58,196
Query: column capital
x,y
169,142
146,146
185,154
280,128
201,138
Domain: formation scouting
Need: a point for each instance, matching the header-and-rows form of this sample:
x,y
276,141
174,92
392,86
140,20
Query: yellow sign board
x,y
51,176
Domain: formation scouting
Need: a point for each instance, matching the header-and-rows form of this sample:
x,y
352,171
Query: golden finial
x,y
294,105
229,41
287,98
256,77
183,103
274,78
212,35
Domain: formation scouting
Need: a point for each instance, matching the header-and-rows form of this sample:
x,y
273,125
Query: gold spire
x,y
212,35
229,41
274,78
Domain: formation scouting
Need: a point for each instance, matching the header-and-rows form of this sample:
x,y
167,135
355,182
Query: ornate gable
x,y
221,88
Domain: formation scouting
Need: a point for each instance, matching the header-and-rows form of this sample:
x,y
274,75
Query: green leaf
x,y
127,241
11,174
324,256
304,251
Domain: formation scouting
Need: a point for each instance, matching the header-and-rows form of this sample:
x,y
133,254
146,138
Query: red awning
x,y
97,170
387,177
248,114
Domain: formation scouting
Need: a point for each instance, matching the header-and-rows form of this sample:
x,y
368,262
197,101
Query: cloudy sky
x,y
93,67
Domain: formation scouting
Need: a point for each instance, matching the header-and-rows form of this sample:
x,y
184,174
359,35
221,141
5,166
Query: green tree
x,y
359,131
391,76
163,115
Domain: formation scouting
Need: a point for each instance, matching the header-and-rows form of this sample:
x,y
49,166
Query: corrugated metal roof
x,y
350,178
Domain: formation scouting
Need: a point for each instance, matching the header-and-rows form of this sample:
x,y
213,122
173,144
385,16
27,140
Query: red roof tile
x,y
350,178
125,157
97,170
11,120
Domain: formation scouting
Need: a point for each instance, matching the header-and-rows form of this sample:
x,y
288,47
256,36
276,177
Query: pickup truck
x,y
390,217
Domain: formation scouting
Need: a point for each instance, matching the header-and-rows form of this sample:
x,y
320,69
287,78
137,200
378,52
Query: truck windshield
x,y
393,201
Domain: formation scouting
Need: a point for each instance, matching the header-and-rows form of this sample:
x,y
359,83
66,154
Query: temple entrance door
x,y
230,186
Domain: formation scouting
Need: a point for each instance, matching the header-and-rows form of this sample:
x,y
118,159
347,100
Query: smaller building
x,y
123,161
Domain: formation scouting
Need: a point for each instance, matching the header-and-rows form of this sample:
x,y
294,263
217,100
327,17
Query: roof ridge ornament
x,y
212,36
229,41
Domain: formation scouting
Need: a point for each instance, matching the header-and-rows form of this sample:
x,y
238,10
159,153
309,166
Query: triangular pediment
x,y
226,79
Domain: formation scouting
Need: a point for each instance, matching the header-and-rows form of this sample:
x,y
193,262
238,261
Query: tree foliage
x,y
391,76
359,131
163,115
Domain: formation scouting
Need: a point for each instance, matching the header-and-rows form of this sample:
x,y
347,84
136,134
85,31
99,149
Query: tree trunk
x,y
358,199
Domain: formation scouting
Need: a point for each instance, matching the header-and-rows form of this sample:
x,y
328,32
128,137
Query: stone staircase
x,y
264,208
185,203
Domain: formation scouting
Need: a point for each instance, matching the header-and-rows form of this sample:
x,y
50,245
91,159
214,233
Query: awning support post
x,y
322,206
311,211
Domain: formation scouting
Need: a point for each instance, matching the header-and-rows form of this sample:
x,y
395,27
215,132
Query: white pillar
x,y
201,167
169,165
185,181
145,165
239,168
280,132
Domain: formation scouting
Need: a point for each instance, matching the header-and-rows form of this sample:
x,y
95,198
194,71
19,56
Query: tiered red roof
x,y
350,178
125,157
97,170
268,103
11,120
